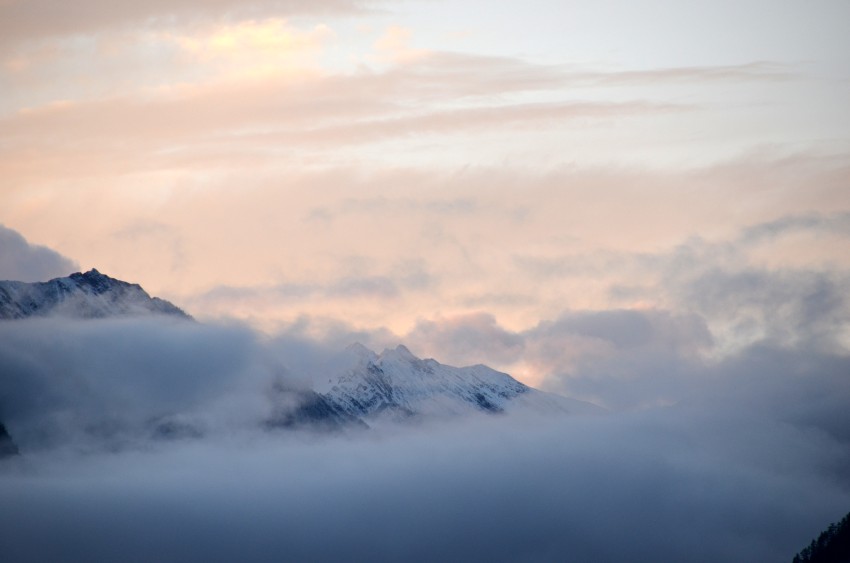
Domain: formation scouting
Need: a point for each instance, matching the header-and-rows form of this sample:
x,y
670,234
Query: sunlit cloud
x,y
257,48
27,20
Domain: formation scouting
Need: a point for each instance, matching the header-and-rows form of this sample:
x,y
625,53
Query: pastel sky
x,y
480,180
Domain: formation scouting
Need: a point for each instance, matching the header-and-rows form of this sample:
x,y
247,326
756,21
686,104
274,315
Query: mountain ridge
x,y
396,385
86,295
357,387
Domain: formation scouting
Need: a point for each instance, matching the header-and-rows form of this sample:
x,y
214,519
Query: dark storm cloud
x,y
22,261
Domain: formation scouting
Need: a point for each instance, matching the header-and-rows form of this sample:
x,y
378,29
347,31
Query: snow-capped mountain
x,y
357,388
365,386
80,295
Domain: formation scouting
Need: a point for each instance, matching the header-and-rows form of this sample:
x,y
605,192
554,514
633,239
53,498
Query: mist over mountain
x,y
446,282
259,447
136,350
363,387
80,295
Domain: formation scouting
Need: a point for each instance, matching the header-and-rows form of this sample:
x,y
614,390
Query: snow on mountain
x,y
396,385
80,295
359,387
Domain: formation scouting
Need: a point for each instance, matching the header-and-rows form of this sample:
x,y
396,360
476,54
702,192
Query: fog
x,y
667,485
748,463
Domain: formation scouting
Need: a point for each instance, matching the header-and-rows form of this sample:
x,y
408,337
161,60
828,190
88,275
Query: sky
x,y
645,205
460,177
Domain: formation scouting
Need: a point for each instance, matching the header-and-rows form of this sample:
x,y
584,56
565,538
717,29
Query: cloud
x,y
567,251
617,358
35,20
22,261
688,484
202,113
787,306
837,222
394,45
406,278
250,49
66,381
382,204
190,126
466,339
746,460
701,306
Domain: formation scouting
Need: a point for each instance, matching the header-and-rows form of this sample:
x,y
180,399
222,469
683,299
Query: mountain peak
x,y
96,281
396,385
400,352
80,295
92,274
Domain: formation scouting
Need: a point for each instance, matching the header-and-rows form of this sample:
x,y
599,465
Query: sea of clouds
x,y
143,439
747,466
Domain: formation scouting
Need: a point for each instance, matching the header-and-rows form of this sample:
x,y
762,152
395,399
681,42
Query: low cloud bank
x,y
670,485
748,465
69,381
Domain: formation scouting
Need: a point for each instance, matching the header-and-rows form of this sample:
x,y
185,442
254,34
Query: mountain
x,y
80,295
395,385
358,388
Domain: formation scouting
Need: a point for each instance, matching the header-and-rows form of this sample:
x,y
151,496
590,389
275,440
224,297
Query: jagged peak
x,y
93,273
93,276
85,295
99,282
400,352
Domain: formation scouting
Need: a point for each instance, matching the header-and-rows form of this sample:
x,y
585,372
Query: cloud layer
x,y
22,261
725,480
144,439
